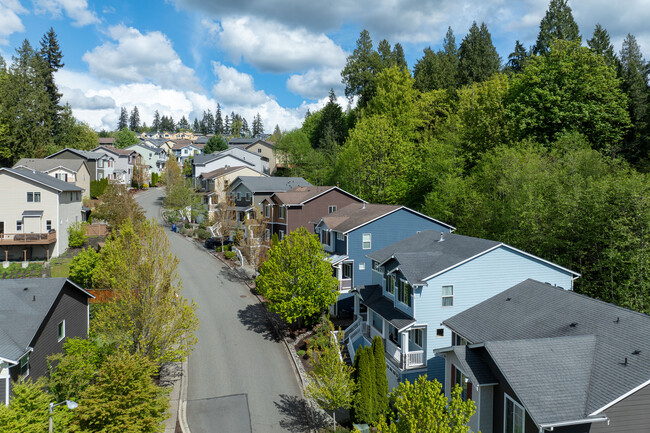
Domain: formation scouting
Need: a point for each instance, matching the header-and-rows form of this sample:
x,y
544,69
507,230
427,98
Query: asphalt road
x,y
241,379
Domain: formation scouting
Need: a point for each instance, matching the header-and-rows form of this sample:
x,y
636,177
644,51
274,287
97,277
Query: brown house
x,y
303,206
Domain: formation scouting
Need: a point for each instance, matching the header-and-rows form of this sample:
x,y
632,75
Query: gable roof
x,y
262,142
424,256
24,304
242,141
47,165
204,159
115,150
371,296
42,178
226,170
303,194
106,140
535,311
83,153
144,146
257,184
180,144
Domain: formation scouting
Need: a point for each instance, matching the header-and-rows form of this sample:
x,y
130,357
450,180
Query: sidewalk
x,y
175,376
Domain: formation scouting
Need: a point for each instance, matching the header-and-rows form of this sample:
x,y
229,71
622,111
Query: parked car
x,y
214,242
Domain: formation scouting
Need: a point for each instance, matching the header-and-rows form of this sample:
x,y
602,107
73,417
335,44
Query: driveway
x,y
240,375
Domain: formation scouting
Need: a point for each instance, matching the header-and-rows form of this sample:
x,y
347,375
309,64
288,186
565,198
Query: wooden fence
x,y
97,229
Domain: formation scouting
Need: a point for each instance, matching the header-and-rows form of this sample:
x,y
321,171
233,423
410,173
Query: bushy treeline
x,y
547,154
33,123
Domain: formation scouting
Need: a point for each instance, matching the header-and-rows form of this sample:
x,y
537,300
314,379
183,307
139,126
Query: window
x,y
259,150
325,236
377,322
416,335
24,366
362,266
281,234
404,292
48,225
267,234
340,236
267,211
390,283
33,197
331,209
513,418
100,163
461,380
248,196
282,211
440,332
61,330
447,296
19,226
376,267
393,335
367,241
347,270
239,196
458,340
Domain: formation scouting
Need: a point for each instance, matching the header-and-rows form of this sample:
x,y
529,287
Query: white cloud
x,y
316,84
77,10
140,58
234,87
10,22
274,47
78,98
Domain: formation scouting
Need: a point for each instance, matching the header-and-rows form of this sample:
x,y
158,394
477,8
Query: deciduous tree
x,y
118,205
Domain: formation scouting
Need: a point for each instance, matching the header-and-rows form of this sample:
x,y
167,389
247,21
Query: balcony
x,y
7,239
345,285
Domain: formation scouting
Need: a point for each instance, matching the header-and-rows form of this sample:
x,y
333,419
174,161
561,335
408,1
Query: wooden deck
x,y
8,239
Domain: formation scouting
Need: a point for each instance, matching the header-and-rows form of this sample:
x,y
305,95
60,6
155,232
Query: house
x,y
353,231
303,206
153,157
184,149
215,184
265,149
100,165
69,170
246,141
160,143
423,280
37,315
250,191
537,358
125,162
36,211
106,141
206,163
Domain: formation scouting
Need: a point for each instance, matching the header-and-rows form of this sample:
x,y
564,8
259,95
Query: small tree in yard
x,y
117,206
363,409
82,267
76,235
421,407
381,381
331,384
296,279
224,217
254,245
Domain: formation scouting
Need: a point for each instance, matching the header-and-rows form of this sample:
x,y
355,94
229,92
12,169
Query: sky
x,y
277,58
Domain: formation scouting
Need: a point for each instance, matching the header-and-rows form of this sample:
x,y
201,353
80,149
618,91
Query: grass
x,y
60,267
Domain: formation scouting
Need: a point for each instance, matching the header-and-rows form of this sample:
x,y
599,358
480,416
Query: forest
x,y
546,150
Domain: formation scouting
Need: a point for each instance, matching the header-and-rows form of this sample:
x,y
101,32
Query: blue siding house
x,y
421,281
354,231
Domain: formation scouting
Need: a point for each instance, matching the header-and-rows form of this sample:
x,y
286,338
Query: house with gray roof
x,y
37,315
423,280
69,170
100,165
153,157
538,358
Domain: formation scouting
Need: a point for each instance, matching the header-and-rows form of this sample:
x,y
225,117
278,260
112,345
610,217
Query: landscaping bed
x,y
16,270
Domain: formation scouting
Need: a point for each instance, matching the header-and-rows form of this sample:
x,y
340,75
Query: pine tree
x,y
183,124
155,126
398,56
381,381
218,121
361,68
386,53
479,59
332,119
364,376
51,53
634,71
196,127
258,126
134,119
438,70
600,44
123,121
558,23
245,130
517,59
226,126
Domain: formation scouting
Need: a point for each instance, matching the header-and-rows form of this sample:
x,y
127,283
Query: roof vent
x,y
573,324
618,319
625,362
442,237
636,352
34,299
507,299
26,288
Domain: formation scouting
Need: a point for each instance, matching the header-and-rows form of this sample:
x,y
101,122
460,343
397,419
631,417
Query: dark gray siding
x,y
630,415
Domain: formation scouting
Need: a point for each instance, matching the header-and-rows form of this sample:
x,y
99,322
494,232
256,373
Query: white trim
x,y
624,396
59,328
506,397
408,210
573,422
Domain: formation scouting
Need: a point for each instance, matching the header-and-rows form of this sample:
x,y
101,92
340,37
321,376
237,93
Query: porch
x,y
342,271
28,238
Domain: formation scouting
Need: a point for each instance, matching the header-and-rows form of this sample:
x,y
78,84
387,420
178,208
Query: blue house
x,y
350,233
421,281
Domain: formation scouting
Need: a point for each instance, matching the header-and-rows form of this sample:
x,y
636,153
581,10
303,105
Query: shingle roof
x,y
224,170
423,255
45,165
43,179
301,194
371,297
106,140
83,153
241,141
356,214
114,150
473,365
534,310
24,304
257,184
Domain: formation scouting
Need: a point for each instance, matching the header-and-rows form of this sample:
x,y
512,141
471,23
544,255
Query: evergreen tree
x,y
216,143
277,134
600,44
332,120
226,126
155,126
386,53
360,70
196,127
235,125
517,59
363,406
123,121
635,83
207,123
134,119
558,23
51,53
479,59
183,124
438,70
245,130
381,381
398,56
218,121
167,124
258,126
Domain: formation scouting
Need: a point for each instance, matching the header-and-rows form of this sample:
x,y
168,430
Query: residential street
x,y
240,377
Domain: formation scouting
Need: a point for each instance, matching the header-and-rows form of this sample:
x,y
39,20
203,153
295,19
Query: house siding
x,y
385,231
225,161
629,415
92,165
312,211
264,150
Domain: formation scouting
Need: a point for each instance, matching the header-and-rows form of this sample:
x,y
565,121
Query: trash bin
x,y
173,227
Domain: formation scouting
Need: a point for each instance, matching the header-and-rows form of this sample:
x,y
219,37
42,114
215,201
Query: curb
x,y
182,401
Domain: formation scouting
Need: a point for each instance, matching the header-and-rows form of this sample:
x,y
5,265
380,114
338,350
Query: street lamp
x,y
71,405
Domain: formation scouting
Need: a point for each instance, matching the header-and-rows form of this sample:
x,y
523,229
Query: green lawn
x,y
60,267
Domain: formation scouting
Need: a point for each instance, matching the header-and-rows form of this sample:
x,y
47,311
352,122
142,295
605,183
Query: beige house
x,y
266,150
215,184
36,211
70,170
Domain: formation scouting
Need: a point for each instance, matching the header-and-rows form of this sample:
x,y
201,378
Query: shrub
x,y
225,248
202,234
301,353
230,255
155,177
76,235
97,187
145,186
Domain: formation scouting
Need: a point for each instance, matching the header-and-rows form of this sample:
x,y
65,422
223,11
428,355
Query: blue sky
x,y
273,57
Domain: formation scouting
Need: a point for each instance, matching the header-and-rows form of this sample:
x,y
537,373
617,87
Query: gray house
x,y
36,316
537,358
99,164
250,191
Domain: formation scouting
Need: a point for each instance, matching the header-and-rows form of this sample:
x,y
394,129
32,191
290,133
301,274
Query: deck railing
x,y
27,238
